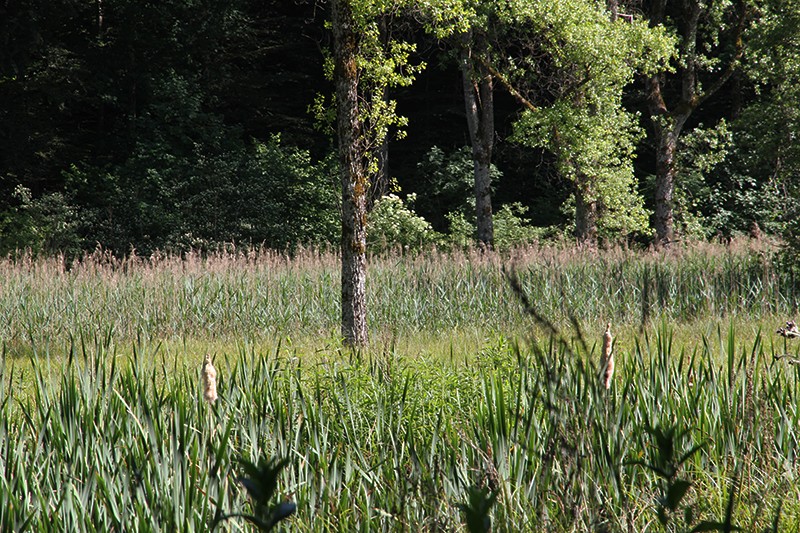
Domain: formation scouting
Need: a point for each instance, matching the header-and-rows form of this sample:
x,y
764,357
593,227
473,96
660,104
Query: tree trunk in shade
x,y
586,212
669,118
479,103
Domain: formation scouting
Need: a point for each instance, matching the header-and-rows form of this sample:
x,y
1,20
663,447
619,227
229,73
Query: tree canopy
x,y
192,123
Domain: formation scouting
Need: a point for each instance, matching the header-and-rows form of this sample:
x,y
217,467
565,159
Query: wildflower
x,y
607,357
209,380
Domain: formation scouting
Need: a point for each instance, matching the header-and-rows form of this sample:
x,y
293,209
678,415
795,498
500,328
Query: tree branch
x,y
731,68
507,84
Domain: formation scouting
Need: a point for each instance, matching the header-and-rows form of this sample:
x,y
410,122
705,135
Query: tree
x,y
766,141
571,65
365,63
353,169
479,104
710,45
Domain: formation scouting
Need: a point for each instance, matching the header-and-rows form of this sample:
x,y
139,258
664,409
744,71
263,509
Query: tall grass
x,y
103,424
391,443
261,294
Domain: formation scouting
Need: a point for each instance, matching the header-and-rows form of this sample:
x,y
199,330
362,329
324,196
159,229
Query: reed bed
x,y
256,294
387,442
106,425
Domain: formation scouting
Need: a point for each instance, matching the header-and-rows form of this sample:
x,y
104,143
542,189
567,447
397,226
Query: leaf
x,y
476,511
261,481
282,511
714,526
676,492
691,452
662,516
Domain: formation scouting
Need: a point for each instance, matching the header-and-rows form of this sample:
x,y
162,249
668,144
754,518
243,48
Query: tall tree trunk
x,y
479,103
668,123
586,211
354,177
667,136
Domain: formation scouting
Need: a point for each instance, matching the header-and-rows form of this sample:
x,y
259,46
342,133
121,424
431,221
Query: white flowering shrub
x,y
393,223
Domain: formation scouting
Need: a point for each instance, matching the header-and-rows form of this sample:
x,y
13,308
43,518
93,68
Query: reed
x,y
259,294
387,441
105,424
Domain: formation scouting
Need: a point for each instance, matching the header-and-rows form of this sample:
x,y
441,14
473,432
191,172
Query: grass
x,y
103,425
263,295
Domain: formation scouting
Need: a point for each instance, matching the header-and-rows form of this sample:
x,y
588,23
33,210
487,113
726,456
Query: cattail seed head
x,y
209,380
607,357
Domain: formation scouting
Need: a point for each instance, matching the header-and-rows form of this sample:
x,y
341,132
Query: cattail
x,y
607,357
209,380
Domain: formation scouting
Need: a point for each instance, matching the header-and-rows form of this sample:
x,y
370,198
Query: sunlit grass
x,y
103,425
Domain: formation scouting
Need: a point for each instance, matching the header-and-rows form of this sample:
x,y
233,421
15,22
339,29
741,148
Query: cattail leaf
x,y
676,492
685,457
707,525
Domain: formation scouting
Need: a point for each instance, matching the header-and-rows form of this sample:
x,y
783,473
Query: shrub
x,y
392,222
47,224
449,180
511,228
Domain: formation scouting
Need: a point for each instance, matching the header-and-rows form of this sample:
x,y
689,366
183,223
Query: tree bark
x,y
668,123
353,175
586,212
479,104
667,132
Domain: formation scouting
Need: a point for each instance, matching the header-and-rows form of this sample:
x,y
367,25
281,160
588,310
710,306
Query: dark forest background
x,y
139,125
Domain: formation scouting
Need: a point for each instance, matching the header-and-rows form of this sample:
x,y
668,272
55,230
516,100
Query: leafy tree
x,y
710,46
393,223
219,190
700,206
447,185
44,225
766,142
570,64
363,66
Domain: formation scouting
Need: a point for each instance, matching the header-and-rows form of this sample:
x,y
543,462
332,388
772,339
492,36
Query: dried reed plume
x,y
209,380
607,357
790,331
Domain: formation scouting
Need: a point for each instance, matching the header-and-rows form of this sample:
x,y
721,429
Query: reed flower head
x,y
209,380
607,357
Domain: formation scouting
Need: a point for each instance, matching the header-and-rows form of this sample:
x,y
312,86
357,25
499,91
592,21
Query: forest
x,y
131,125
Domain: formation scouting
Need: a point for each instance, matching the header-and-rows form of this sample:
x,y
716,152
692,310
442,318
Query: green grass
x,y
103,426
266,296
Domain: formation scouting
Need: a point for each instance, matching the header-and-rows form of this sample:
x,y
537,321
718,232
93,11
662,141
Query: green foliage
x,y
461,233
768,156
217,191
667,467
307,209
125,443
244,292
476,509
673,502
582,120
392,223
448,183
46,225
511,229
103,427
702,205
261,482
